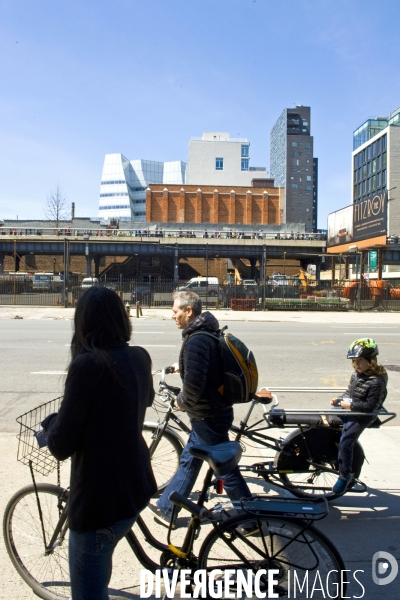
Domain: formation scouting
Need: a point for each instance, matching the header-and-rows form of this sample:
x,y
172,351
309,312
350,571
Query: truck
x,y
203,286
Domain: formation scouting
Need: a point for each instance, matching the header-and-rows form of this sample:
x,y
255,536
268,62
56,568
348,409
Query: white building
x,y
218,159
124,182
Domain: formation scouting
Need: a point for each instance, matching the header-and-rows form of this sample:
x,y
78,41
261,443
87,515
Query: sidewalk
x,y
358,524
161,314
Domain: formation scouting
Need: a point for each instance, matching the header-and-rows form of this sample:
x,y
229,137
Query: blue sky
x,y
80,79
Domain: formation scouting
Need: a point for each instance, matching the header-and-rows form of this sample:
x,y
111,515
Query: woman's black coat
x,y
100,425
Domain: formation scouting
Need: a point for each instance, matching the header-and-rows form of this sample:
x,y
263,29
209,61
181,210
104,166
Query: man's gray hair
x,y
187,298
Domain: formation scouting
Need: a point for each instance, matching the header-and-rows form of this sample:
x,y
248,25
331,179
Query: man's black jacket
x,y
100,425
200,366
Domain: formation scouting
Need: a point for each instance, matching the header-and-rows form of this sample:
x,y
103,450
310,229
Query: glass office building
x,y
124,182
294,167
376,164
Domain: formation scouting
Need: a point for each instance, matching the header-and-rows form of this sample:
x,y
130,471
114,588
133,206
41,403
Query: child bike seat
x,y
222,458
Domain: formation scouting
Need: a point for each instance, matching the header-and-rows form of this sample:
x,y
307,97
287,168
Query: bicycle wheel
x,y
305,480
46,574
245,543
164,452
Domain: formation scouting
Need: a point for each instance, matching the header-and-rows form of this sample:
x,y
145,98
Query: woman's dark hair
x,y
100,322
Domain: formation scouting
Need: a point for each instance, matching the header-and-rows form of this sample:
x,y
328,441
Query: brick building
x,y
206,204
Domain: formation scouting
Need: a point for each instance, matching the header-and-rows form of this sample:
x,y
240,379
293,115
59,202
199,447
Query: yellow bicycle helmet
x,y
364,348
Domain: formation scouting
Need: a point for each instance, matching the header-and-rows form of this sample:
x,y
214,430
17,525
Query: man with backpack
x,y
202,372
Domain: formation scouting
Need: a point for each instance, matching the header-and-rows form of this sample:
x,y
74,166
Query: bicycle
x,y
267,533
305,462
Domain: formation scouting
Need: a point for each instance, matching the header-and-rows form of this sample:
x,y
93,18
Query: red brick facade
x,y
191,204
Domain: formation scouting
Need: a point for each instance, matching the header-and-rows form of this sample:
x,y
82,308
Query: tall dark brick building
x,y
294,167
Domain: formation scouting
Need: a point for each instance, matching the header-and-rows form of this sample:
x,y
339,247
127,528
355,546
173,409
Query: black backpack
x,y
239,366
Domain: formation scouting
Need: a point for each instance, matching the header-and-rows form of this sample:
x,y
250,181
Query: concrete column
x,y
333,270
264,216
199,206
181,217
166,206
2,256
215,206
17,259
232,208
148,205
248,218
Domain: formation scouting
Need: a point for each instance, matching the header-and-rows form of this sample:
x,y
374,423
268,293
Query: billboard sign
x,y
360,221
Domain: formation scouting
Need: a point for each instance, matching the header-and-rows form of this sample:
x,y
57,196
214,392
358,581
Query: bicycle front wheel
x,y
165,452
299,554
47,573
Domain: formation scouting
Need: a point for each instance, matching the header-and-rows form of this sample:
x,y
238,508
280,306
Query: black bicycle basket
x,y
29,450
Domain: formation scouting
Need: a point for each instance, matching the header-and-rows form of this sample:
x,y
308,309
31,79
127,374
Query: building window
x,y
219,164
384,177
294,144
245,151
308,187
294,186
245,164
308,177
384,160
384,142
293,153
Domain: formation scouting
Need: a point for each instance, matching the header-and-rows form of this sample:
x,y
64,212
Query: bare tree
x,y
56,207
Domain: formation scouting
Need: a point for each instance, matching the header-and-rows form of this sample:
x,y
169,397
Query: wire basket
x,y
29,450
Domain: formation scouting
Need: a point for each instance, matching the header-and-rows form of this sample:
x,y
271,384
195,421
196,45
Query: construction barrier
x,y
243,303
377,288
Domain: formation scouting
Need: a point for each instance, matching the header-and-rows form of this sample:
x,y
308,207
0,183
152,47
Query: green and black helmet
x,y
365,348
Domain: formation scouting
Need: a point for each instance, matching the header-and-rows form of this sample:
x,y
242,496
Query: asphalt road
x,y
35,354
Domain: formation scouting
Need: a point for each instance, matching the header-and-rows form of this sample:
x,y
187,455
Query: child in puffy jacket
x,y
365,393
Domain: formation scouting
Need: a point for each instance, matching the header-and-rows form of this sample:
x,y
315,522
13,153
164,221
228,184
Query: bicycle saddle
x,y
222,458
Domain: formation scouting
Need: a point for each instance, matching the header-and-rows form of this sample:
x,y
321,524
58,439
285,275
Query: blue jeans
x,y
90,560
352,429
209,431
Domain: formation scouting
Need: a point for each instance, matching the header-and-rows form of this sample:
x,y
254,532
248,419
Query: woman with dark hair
x,y
107,390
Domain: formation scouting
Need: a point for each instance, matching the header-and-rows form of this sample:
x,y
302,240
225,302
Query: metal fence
x,y
351,296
